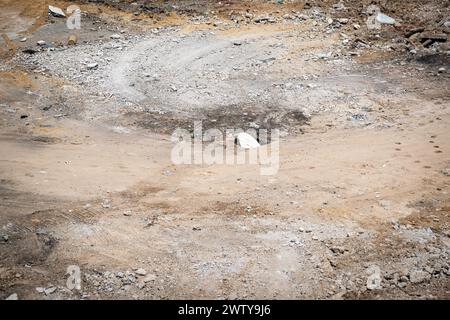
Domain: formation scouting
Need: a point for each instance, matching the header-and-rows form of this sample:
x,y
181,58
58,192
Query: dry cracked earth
x,y
358,208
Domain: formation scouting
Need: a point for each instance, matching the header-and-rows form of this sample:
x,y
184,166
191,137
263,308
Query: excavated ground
x,y
359,207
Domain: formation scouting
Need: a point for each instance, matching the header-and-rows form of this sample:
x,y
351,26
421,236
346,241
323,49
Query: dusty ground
x,y
358,209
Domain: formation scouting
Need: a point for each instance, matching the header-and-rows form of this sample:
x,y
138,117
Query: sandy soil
x,y
359,207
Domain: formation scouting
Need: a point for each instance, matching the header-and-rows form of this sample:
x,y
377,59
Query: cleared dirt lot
x,y
359,207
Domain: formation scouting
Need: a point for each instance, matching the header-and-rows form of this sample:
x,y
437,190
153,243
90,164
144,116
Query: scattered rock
x,y
56,12
374,281
382,18
41,43
40,289
115,36
92,66
141,272
149,278
337,250
4,238
14,296
49,290
339,6
418,276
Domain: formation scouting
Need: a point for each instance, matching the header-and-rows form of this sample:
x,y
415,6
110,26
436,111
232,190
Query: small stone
x,y
92,66
56,12
14,296
337,250
149,278
41,43
115,36
382,18
418,276
374,282
40,289
49,290
441,70
23,39
356,26
141,272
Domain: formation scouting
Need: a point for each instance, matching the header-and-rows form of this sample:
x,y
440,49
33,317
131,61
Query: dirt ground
x,y
359,208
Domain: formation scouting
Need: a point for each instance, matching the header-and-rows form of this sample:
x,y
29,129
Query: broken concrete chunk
x,y
246,141
56,12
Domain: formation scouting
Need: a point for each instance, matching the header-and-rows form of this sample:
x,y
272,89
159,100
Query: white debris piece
x,y
246,141
14,296
382,18
56,12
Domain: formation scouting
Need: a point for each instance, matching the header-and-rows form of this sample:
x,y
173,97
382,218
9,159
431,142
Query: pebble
x,y
149,278
92,66
141,272
56,12
49,290
418,276
14,296
40,289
